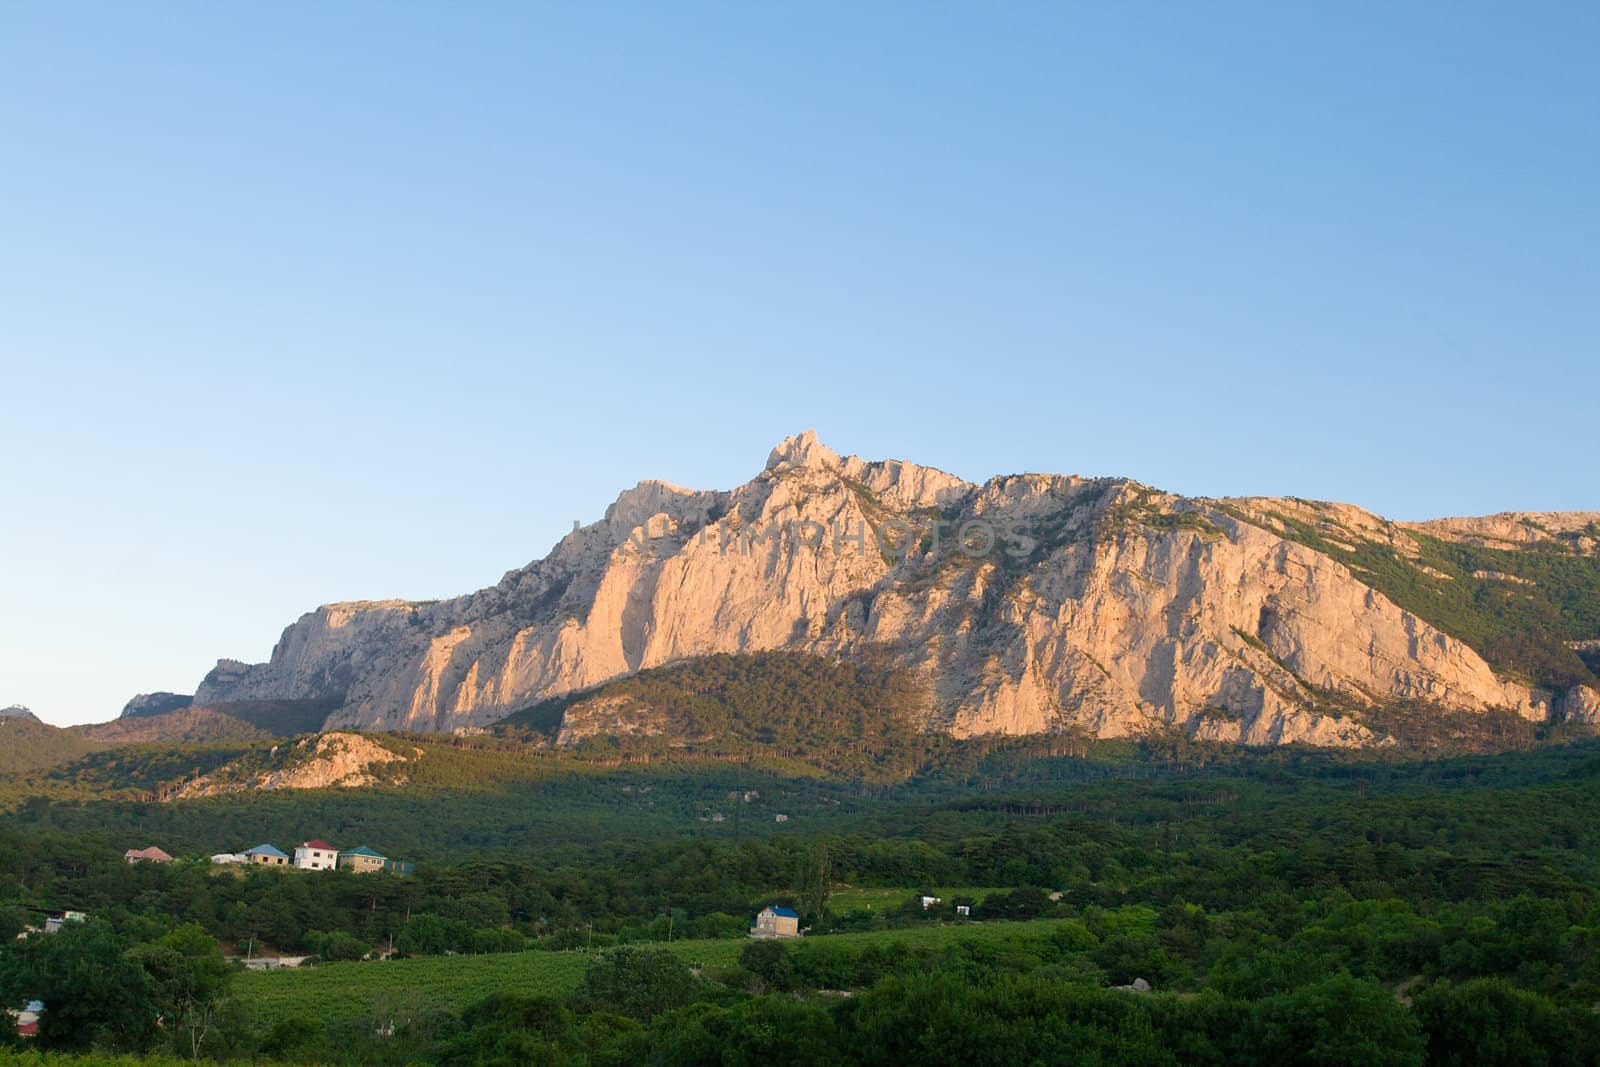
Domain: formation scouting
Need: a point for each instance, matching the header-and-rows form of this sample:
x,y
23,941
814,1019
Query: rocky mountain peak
x,y
1098,605
802,450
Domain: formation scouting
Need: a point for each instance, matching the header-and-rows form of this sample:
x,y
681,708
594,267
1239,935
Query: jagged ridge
x,y
1101,605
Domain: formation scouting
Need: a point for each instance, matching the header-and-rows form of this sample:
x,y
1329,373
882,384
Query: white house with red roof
x,y
316,856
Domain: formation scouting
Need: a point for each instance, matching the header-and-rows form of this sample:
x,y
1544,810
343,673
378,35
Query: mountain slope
x,y
184,726
1029,603
784,703
27,745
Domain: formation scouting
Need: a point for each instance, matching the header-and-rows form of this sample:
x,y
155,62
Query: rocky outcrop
x,y
331,760
17,711
1577,531
616,716
1028,603
1581,704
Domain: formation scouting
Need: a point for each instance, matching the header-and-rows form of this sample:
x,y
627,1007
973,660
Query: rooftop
x,y
264,850
363,850
153,852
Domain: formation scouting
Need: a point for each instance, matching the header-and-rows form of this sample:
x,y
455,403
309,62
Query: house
x,y
152,854
399,866
55,919
776,922
316,856
361,860
229,857
28,1018
928,902
964,910
266,856
273,963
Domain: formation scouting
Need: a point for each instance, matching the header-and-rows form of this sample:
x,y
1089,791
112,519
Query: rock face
x,y
1578,530
17,711
1029,603
342,760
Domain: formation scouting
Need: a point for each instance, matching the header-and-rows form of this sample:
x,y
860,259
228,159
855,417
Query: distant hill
x,y
185,726
147,704
28,745
189,724
17,711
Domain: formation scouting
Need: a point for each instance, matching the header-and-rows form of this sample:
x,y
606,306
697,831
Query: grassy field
x,y
845,901
353,990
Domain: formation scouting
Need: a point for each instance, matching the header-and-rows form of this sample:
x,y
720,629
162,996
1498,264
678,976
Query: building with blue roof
x,y
776,922
266,856
362,859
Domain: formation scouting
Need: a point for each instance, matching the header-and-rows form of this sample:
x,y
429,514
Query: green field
x,y
845,901
336,991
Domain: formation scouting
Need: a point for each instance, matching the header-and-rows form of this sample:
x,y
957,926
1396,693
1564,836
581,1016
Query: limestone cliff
x,y
1028,603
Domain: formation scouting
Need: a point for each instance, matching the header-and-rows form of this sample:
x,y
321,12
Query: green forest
x,y
1135,907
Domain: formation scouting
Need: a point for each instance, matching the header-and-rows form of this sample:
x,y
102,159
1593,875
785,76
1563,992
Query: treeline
x,y
1429,836
646,1007
1030,999
1424,834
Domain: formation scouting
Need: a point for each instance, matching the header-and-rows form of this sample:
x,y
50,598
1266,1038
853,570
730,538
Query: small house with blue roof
x,y
776,922
266,856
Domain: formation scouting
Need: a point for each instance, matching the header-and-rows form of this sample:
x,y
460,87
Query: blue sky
x,y
303,302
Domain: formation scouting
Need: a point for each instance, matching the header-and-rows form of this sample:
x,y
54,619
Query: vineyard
x,y
423,985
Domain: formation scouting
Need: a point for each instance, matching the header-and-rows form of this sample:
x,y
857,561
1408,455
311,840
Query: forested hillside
x,y
1447,904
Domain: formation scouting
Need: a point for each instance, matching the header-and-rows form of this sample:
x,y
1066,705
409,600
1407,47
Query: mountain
x,y
149,704
167,718
181,726
17,711
28,745
1026,604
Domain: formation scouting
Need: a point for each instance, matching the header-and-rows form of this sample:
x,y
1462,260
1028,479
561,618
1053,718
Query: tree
x,y
947,1018
1340,1020
1489,1022
815,881
191,982
638,983
337,945
1028,902
511,1029
12,921
763,1032
433,935
770,962
94,995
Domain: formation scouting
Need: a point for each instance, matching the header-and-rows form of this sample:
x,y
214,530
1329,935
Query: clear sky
x,y
309,302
